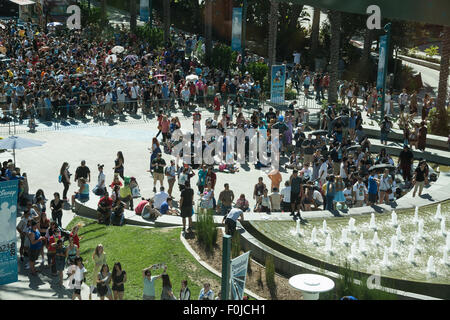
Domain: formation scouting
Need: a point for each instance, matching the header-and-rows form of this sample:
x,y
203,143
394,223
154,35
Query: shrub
x,y
154,36
206,230
258,70
270,272
223,58
290,95
432,51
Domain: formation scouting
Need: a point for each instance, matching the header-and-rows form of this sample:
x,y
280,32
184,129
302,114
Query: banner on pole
x,y
382,62
144,11
8,241
236,29
277,84
239,275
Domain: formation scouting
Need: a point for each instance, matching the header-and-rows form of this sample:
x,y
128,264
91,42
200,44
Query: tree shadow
x,y
377,209
427,196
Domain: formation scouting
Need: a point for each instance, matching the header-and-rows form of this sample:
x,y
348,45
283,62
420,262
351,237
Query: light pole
x,y
244,30
387,29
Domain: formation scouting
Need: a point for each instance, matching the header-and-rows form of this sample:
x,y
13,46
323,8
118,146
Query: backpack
x,y
60,179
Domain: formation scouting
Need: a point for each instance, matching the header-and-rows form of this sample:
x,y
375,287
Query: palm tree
x,y
208,30
273,28
166,18
103,11
315,33
442,127
133,15
335,26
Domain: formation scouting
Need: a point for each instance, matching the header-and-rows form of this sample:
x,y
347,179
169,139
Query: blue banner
x,y
8,242
236,29
144,10
277,84
382,62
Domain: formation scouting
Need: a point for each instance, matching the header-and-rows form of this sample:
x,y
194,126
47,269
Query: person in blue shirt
x,y
166,207
373,189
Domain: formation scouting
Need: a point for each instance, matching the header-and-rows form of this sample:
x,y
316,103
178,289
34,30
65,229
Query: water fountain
x,y
420,229
362,244
314,236
416,215
328,244
297,227
372,224
445,258
431,269
443,231
324,227
375,240
399,234
394,221
416,242
353,252
393,249
351,225
412,250
385,262
438,215
344,237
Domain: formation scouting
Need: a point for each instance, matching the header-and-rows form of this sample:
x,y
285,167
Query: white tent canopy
x,y
23,2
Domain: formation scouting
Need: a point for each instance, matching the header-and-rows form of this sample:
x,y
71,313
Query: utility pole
x,y
226,254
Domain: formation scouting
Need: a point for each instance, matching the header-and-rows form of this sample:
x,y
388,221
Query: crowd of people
x,y
57,74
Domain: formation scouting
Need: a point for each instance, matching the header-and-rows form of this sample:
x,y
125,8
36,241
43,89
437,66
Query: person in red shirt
x,y
51,250
74,235
104,208
216,106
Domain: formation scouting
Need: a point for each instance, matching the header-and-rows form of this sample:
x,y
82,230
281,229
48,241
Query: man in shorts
x,y
186,205
158,172
36,241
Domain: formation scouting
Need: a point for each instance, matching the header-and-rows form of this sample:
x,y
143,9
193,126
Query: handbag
x,y
135,192
60,178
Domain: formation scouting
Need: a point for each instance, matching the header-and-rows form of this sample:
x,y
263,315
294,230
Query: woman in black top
x,y
419,177
65,179
118,164
119,277
56,207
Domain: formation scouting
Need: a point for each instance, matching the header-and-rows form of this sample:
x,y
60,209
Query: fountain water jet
x,y
399,234
385,261
394,221
416,215
324,227
420,229
344,237
431,269
416,242
362,244
393,249
412,250
375,240
328,244
353,252
443,231
445,257
297,228
372,224
313,236
438,215
351,225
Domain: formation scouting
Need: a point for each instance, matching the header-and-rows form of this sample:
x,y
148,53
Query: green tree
x,y
442,126
432,51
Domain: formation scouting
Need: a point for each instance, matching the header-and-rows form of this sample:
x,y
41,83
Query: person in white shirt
x,y
206,293
77,277
286,197
100,188
317,199
306,172
296,57
159,198
323,171
359,192
403,100
348,194
230,220
120,97
108,103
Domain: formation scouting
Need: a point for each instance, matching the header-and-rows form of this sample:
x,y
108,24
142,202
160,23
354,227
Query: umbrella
x,y
76,75
44,48
15,142
192,77
382,166
160,76
2,26
131,57
111,58
118,49
54,24
356,147
319,132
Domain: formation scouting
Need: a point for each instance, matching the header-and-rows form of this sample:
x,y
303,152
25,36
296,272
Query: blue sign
x,y
239,275
144,10
236,29
382,62
8,242
277,84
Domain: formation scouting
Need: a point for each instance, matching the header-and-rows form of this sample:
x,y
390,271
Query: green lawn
x,y
137,248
